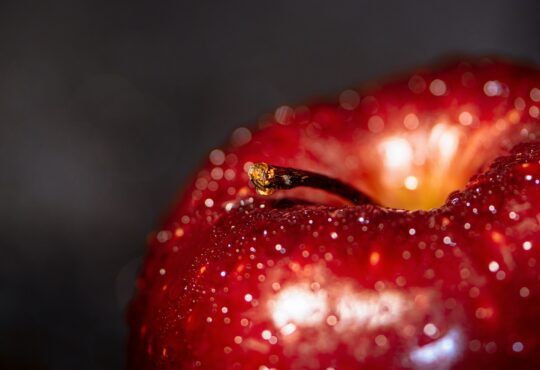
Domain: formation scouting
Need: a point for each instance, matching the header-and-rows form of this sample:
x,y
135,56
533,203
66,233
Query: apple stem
x,y
268,178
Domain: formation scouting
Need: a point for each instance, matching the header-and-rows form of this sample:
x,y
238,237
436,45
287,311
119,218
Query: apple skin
x,y
304,281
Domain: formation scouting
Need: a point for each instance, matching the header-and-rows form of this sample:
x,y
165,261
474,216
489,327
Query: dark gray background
x,y
105,108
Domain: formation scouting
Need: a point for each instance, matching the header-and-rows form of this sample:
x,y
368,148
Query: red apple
x,y
441,271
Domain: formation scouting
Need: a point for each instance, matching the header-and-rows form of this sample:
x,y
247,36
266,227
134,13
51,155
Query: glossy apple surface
x,y
443,274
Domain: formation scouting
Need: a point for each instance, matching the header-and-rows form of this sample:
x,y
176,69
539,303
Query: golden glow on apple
x,y
411,182
416,166
443,142
414,162
397,154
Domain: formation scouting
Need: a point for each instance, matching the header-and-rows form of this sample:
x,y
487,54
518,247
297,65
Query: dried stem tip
x,y
267,179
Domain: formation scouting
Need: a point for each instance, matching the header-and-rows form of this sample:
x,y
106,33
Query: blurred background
x,y
107,107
